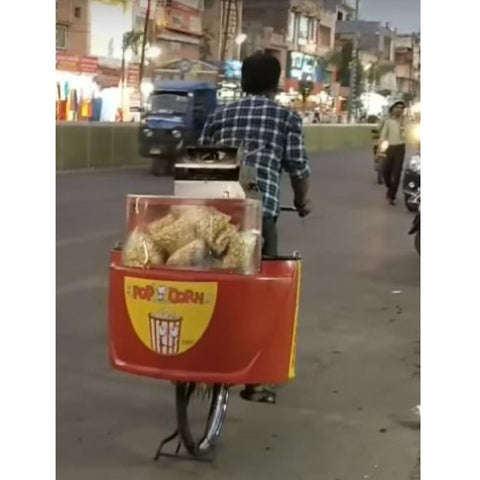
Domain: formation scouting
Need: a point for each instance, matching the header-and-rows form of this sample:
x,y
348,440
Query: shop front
x,y
76,88
89,89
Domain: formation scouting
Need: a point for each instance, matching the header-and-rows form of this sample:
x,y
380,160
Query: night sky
x,y
402,14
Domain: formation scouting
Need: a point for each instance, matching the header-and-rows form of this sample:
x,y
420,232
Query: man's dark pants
x,y
392,169
270,237
269,249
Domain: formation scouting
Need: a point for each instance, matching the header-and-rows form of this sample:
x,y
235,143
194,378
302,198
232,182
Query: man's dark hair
x,y
260,74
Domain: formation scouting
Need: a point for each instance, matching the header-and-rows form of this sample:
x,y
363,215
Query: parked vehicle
x,y
411,177
415,230
379,151
377,157
411,182
173,120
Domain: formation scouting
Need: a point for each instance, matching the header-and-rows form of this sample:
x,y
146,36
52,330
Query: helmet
x,y
395,103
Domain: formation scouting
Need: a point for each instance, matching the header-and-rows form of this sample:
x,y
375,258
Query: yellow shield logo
x,y
169,317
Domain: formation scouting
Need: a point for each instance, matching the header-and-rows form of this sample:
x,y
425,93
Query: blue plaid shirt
x,y
272,138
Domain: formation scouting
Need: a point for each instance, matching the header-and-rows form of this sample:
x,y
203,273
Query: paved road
x,y
346,417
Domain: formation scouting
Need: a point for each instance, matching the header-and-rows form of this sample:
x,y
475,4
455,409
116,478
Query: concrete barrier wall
x,y
88,145
96,145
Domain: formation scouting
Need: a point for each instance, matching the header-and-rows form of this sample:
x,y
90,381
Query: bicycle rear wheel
x,y
201,411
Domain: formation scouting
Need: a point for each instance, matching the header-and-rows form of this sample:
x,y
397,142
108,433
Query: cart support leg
x,y
171,437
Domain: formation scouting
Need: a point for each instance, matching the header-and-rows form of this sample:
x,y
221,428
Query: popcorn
x,y
139,251
155,228
222,241
190,255
209,225
175,236
192,236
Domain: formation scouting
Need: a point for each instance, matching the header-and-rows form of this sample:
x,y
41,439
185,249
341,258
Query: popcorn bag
x,y
139,249
168,232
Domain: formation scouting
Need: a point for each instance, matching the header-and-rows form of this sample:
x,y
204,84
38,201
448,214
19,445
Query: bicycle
x,y
234,348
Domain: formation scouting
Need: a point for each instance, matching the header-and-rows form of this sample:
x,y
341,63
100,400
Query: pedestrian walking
x,y
393,135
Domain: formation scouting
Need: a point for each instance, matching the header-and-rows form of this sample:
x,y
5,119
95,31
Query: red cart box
x,y
205,327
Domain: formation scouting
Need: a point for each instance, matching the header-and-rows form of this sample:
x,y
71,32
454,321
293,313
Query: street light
x,y
154,52
240,38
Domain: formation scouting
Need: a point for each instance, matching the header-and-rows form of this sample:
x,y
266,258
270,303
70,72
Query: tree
x,y
131,40
332,59
345,68
379,70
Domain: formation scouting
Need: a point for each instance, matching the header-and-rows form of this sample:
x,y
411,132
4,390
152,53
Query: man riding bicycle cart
x,y
198,293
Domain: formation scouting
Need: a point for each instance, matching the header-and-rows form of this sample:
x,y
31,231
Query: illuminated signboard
x,y
233,69
303,67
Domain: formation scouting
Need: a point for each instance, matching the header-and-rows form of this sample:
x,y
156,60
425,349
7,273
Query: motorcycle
x,y
415,229
411,177
411,182
377,155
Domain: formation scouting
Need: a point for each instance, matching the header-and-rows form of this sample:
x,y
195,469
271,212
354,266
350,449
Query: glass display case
x,y
199,234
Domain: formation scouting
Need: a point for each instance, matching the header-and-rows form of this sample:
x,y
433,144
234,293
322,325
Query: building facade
x,y
343,9
89,52
373,37
72,27
298,32
407,64
222,25
178,29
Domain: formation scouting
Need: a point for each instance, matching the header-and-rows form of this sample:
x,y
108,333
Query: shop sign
x,y
301,66
67,63
108,77
89,65
76,64
232,69
180,20
335,89
133,76
195,5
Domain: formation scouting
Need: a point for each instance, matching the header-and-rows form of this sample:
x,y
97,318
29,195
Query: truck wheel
x,y
157,166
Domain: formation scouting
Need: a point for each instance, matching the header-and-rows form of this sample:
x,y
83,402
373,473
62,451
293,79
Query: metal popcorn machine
x,y
215,172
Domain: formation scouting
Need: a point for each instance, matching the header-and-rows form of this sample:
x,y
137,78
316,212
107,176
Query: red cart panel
x,y
204,326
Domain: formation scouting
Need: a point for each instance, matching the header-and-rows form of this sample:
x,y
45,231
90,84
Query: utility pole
x,y
226,26
353,67
144,44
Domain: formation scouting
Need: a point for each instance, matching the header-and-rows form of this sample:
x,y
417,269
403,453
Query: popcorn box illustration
x,y
165,331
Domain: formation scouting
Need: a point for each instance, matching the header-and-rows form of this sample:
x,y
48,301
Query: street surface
x,y
347,416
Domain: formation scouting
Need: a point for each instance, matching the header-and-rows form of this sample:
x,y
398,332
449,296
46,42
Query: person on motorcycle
x,y
393,136
273,140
